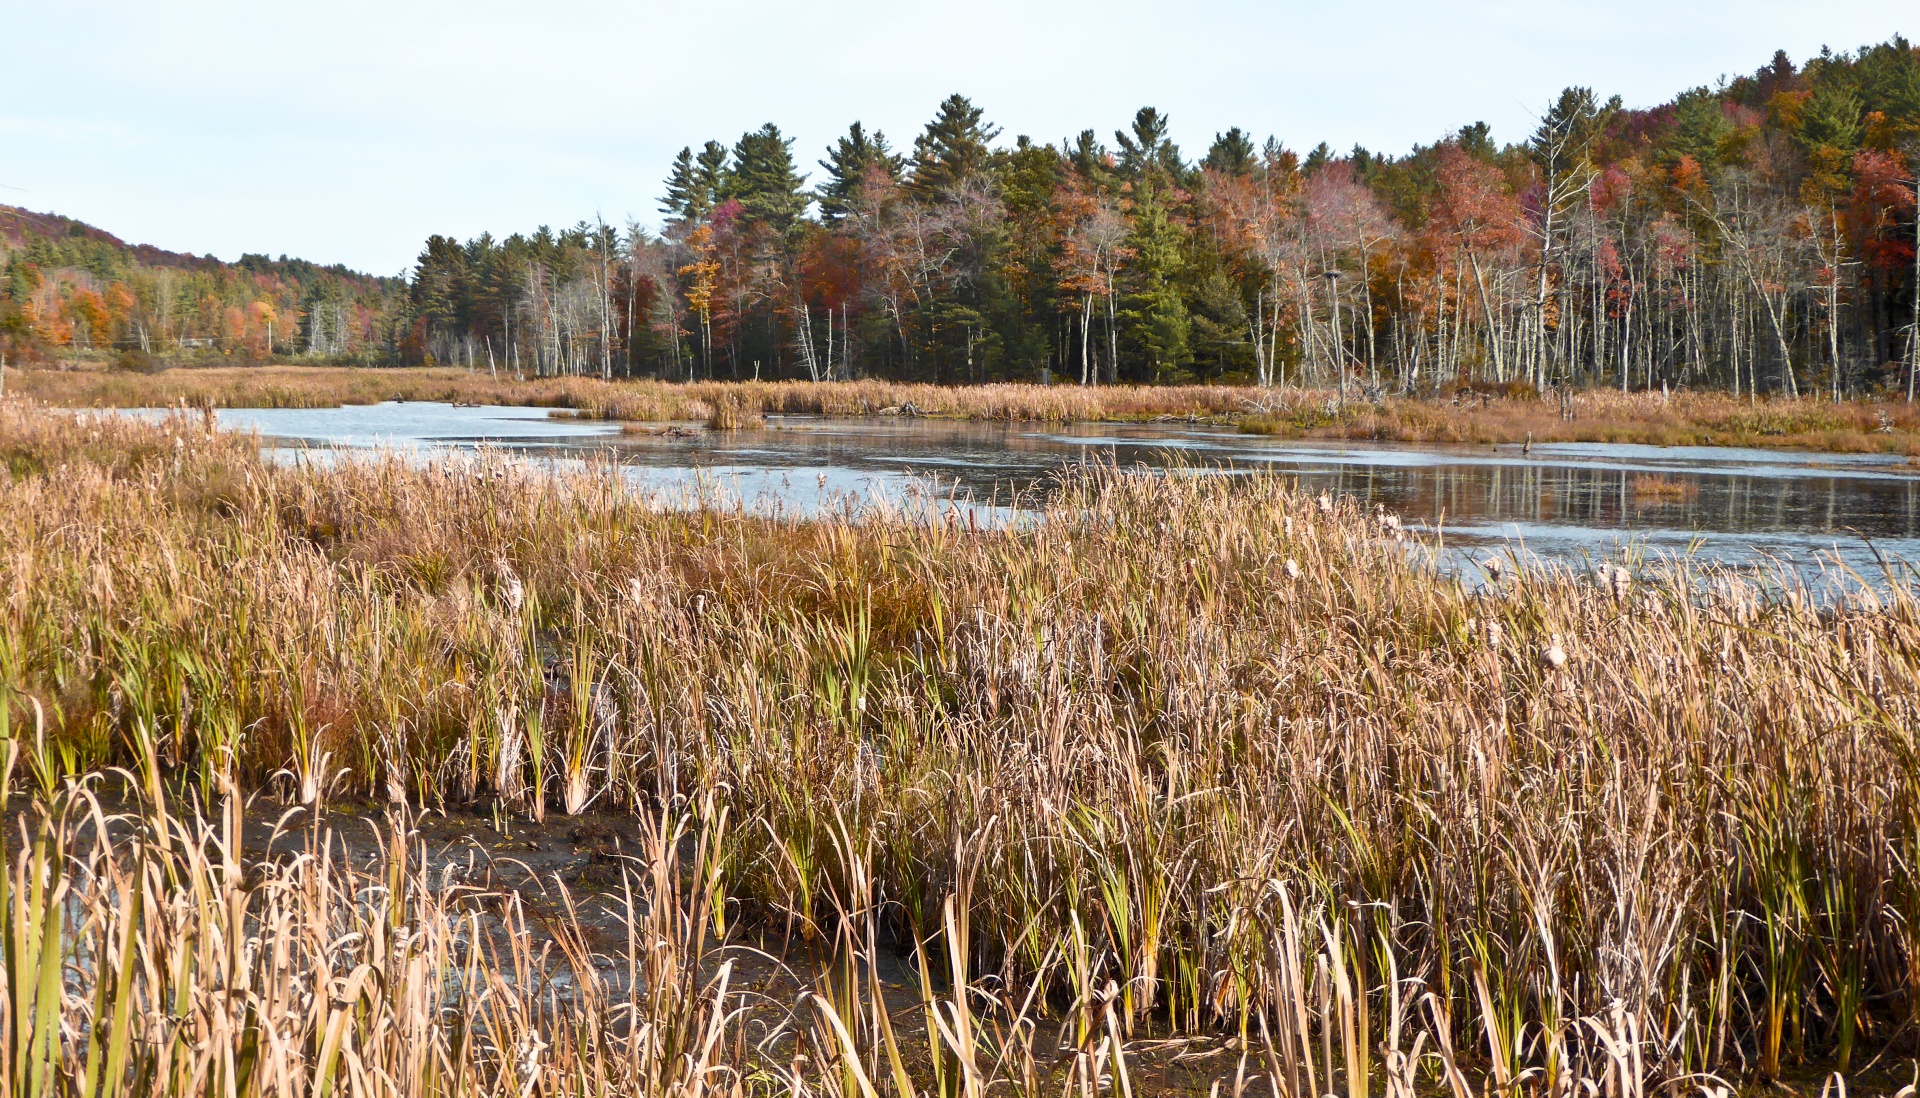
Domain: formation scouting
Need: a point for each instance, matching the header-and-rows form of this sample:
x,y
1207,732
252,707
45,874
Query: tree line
x,y
1757,235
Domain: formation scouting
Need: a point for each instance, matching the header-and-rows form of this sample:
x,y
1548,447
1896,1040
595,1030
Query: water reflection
x,y
1559,501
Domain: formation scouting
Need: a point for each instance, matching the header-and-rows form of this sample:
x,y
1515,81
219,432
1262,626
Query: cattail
x,y
1326,503
508,777
1286,525
512,590
1554,656
1292,568
1493,566
1495,634
1622,584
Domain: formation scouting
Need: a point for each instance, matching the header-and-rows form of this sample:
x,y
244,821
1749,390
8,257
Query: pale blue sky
x,y
346,132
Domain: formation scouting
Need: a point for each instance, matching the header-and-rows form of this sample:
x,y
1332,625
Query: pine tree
x,y
1889,79
681,187
1318,157
694,184
1091,161
439,282
1026,307
954,147
847,164
1147,148
1831,119
763,180
1700,127
1477,140
1154,317
712,169
1231,153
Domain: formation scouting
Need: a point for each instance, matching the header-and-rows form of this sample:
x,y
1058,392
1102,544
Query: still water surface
x,y
1561,501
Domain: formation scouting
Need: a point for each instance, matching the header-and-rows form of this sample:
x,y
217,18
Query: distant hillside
x,y
18,226
70,289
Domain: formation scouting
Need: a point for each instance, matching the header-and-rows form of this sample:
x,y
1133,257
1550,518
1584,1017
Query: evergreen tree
x,y
1090,160
1830,121
1147,148
954,147
1364,163
1477,140
439,282
763,180
681,188
1317,158
1153,317
1218,315
694,183
1889,81
848,162
1699,129
1023,303
711,163
1231,153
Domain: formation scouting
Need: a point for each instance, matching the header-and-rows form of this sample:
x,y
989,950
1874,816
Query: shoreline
x,y
1464,417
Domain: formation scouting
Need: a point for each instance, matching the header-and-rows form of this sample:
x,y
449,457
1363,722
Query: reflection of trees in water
x,y
995,463
1608,498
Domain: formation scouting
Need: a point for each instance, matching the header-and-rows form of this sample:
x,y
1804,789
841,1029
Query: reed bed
x,y
1658,488
1601,415
1468,417
640,401
1183,759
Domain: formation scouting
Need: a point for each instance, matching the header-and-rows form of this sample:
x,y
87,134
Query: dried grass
x,y
640,401
1185,755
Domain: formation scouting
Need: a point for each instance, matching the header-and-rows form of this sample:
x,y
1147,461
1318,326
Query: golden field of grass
x,y
1188,778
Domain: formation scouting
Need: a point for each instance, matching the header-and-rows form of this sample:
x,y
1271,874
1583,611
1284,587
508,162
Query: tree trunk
x,y
1493,330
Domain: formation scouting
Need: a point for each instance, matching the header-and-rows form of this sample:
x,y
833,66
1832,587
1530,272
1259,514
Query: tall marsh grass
x,y
1601,415
1680,419
644,401
1183,757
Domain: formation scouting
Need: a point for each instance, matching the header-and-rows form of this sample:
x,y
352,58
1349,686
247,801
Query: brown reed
x,y
1181,756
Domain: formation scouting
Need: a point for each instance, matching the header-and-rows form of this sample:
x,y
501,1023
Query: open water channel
x,y
1569,502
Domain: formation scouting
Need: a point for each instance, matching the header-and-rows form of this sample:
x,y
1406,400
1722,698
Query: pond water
x,y
1561,501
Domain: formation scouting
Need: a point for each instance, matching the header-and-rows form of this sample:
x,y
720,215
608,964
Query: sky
x,y
347,132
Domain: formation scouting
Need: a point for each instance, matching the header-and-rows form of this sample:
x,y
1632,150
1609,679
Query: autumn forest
x,y
1756,236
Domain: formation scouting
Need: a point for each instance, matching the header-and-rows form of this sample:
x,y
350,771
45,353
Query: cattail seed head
x,y
1554,655
511,589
